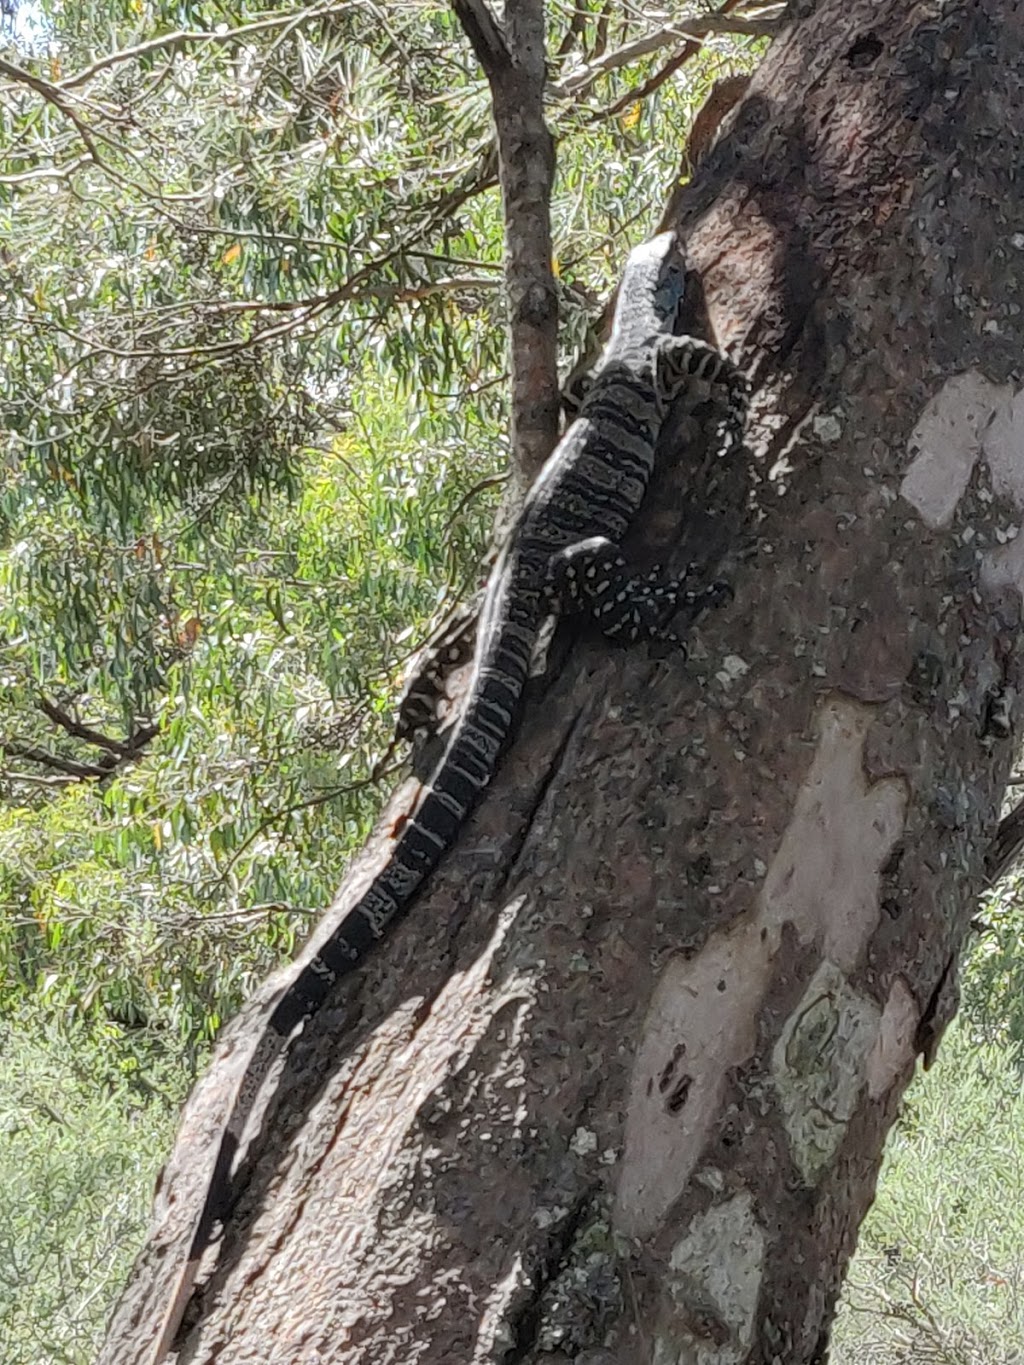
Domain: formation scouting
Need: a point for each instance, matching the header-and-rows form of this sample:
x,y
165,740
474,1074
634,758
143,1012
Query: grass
x,y
938,1278
81,1140
939,1274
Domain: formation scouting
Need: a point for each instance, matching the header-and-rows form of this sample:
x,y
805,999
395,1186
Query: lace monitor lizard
x,y
562,546
427,705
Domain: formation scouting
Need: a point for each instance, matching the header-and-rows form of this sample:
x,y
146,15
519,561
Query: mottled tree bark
x,y
617,1089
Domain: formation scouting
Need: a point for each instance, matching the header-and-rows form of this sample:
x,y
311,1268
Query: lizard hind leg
x,y
679,360
425,705
593,576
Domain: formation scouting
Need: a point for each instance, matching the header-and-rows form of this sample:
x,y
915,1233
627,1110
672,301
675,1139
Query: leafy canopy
x,y
251,333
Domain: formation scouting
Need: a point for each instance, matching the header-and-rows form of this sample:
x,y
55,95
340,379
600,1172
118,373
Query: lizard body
x,y
564,542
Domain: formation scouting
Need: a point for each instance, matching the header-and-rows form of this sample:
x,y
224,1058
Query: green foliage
x,y
252,348
82,1135
994,978
938,1274
252,337
169,889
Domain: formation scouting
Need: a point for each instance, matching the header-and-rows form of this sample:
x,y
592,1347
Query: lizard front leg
x,y
593,576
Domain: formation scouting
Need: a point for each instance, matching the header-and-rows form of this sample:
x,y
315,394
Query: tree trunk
x,y
617,1089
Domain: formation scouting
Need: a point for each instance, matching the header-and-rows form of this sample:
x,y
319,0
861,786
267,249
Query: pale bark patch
x,y
1004,446
1004,454
971,418
819,1064
714,1280
702,1022
824,878
1004,568
893,1054
946,442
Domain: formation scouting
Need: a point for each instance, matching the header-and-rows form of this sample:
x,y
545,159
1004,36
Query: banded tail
x,y
470,761
590,489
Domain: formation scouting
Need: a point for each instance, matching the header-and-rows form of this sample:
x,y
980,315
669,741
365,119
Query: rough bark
x,y
618,1088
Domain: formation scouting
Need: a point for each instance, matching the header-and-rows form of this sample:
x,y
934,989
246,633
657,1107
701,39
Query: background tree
x,y
253,591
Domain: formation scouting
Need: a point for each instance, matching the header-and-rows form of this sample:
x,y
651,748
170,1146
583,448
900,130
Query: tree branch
x,y
52,95
680,58
1005,848
74,727
514,64
695,29
485,37
117,750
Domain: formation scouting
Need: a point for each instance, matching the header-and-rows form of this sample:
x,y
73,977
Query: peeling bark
x,y
617,1090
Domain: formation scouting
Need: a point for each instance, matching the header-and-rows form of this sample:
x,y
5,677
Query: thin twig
x,y
38,780
62,765
191,37
694,29
46,172
379,772
642,92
